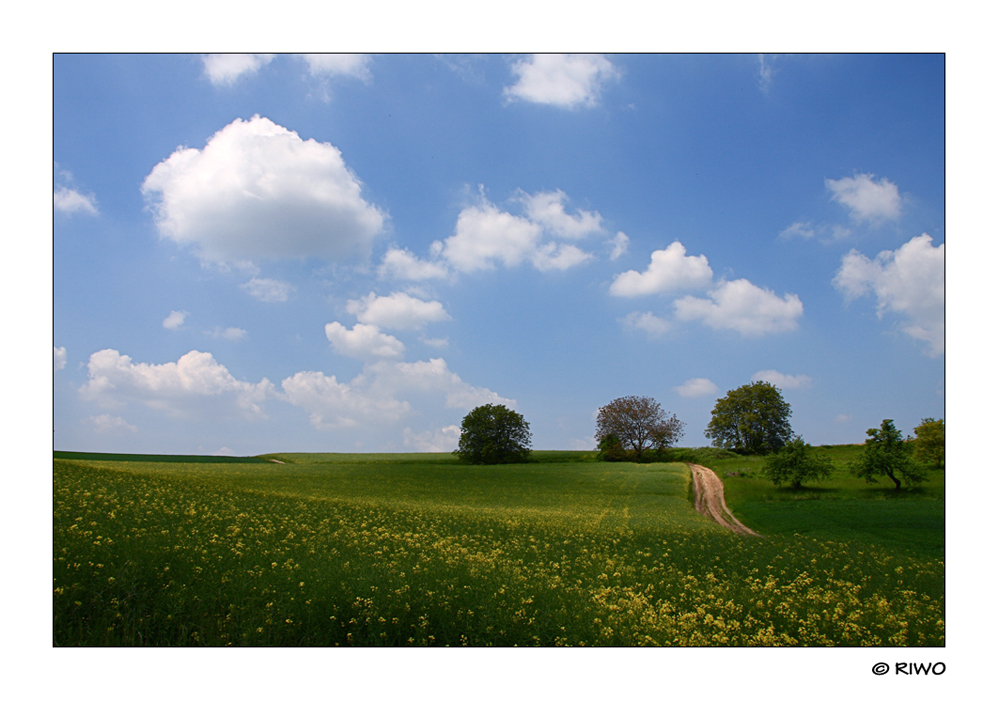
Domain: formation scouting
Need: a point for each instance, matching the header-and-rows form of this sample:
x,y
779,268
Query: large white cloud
x,y
396,311
561,80
867,199
364,341
670,270
226,69
908,281
259,191
741,306
383,393
195,384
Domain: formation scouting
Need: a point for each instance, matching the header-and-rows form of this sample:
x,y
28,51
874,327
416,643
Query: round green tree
x,y
929,444
637,424
795,463
753,418
493,434
888,454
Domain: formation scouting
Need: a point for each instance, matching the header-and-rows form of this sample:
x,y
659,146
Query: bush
x,y
493,434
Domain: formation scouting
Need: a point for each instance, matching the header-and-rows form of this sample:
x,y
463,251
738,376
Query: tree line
x,y
753,419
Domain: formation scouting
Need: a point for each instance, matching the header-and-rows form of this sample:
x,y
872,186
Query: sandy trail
x,y
709,499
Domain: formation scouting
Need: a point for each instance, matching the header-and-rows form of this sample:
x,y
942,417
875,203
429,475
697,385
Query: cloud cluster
x,y
486,237
561,80
259,191
196,382
736,305
364,341
908,281
397,311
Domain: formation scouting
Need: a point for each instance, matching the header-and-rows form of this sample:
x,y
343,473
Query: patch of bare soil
x,y
709,499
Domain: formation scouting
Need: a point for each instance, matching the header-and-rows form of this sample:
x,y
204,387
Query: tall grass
x,y
366,551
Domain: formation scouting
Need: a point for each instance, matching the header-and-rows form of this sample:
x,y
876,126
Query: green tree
x,y
887,454
753,418
795,463
610,448
929,444
639,424
493,434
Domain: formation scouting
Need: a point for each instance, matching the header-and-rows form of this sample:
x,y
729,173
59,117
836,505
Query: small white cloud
x,y
908,281
105,423
396,311
259,191
843,418
267,290
619,245
783,381
400,264
174,320
58,358
548,209
647,322
558,256
697,387
224,451
866,199
766,72
741,306
671,269
799,229
561,80
230,334
436,342
226,69
330,65
444,440
70,201
363,341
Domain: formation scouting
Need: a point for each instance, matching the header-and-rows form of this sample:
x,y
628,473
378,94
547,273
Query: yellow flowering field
x,y
418,550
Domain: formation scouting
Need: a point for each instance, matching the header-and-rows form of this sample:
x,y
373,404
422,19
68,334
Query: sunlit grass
x,y
365,550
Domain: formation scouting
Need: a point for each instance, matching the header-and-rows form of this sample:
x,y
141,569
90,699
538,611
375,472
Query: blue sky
x,y
348,253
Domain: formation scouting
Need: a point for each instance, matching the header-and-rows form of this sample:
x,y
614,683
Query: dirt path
x,y
709,499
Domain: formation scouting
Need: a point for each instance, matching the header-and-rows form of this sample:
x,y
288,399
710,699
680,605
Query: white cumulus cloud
x,y
485,235
670,269
908,281
174,320
196,384
70,201
619,245
548,209
396,311
741,306
267,290
867,199
696,387
58,358
364,341
782,381
561,80
226,69
259,191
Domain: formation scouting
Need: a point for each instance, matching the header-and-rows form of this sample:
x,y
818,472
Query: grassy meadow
x,y
417,549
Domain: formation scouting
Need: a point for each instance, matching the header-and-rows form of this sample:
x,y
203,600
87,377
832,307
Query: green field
x,y
391,549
